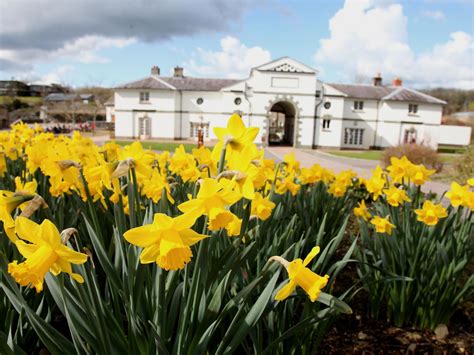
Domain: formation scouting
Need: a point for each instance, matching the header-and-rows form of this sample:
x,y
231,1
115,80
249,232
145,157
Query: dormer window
x,y
358,105
144,96
412,109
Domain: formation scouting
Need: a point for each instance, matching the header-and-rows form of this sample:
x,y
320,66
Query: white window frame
x,y
413,109
353,136
326,125
144,96
358,105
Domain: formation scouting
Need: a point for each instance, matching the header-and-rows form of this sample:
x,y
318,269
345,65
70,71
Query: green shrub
x,y
464,166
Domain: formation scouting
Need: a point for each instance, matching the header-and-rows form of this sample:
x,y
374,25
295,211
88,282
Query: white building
x,y
286,100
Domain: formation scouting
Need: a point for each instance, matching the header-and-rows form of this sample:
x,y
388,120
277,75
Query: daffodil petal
x,y
150,254
285,291
311,255
27,230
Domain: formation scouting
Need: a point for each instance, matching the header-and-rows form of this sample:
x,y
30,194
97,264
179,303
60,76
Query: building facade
x,y
285,99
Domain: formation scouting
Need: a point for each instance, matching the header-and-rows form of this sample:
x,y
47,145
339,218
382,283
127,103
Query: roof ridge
x,y
393,93
163,82
426,95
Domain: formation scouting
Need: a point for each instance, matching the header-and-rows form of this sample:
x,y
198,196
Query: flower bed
x,y
122,250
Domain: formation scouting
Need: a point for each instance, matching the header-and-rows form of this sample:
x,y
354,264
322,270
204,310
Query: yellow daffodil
x,y
314,174
212,194
361,211
382,225
376,183
284,184
300,275
154,186
262,207
399,169
470,182
8,203
140,157
291,164
184,165
430,213
166,241
396,196
44,252
457,195
419,174
235,135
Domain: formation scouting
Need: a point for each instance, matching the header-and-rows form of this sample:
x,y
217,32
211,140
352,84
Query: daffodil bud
x,y
36,203
67,233
65,164
230,174
122,168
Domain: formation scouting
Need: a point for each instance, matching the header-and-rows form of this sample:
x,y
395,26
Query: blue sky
x,y
427,43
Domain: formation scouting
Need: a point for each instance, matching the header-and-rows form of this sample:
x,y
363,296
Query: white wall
x,y
109,113
455,135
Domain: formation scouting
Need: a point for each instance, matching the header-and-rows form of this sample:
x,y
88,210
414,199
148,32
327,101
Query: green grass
x,y
450,149
361,154
161,146
5,100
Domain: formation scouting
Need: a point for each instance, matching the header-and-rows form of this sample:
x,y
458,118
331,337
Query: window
x,y
237,101
354,136
358,105
199,101
413,109
326,124
318,94
327,105
145,96
195,127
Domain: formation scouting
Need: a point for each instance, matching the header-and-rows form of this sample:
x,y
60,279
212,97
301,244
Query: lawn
x,y
161,146
358,154
30,100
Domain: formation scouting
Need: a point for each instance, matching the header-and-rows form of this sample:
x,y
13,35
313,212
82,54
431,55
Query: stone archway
x,y
282,127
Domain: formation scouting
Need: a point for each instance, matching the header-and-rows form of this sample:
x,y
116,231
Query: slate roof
x,y
179,83
392,93
58,97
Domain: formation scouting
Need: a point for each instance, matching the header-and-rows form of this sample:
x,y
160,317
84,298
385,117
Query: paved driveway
x,y
362,167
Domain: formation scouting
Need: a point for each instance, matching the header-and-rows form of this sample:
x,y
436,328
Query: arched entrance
x,y
281,124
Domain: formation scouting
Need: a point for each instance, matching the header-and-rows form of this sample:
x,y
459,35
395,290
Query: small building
x,y
61,97
110,109
285,99
87,98
13,88
40,90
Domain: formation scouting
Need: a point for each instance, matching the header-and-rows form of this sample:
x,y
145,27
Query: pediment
x,y
286,65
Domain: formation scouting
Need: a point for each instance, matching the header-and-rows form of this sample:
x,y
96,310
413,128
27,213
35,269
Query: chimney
x,y
397,81
377,80
178,72
155,70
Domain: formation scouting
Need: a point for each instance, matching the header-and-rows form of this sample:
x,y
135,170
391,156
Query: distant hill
x,y
458,100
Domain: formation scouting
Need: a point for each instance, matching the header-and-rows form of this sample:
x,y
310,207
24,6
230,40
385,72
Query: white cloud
x,y
369,36
435,15
234,60
84,49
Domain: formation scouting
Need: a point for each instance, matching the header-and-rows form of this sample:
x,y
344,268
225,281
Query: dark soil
x,y
358,333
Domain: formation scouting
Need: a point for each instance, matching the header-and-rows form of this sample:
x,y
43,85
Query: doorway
x,y
281,124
